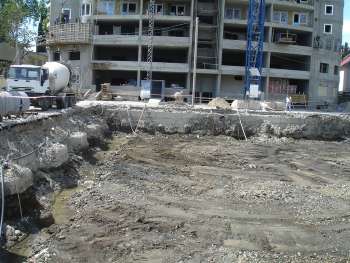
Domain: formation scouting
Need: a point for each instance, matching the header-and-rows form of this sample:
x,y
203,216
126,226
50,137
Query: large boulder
x,y
17,179
219,103
246,104
53,156
96,131
77,141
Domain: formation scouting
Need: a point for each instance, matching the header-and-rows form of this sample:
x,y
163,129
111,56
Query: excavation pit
x,y
164,195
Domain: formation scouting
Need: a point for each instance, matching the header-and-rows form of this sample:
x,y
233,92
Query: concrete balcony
x,y
166,67
115,40
133,40
118,18
169,18
288,74
234,44
72,33
115,65
306,28
292,5
289,49
271,72
269,47
134,66
233,70
232,21
166,41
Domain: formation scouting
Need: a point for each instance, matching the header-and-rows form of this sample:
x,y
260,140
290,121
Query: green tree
x,y
17,18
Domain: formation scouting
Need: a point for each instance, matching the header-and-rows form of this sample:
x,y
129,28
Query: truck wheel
x,y
45,104
69,101
61,103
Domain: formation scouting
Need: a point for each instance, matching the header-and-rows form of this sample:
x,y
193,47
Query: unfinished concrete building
x,y
106,41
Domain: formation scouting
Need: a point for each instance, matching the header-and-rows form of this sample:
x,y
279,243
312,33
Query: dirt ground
x,y
204,199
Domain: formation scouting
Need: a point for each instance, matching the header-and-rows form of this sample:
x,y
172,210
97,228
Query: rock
x,y
53,156
179,97
257,105
88,184
219,103
17,179
61,237
46,218
96,131
10,231
17,232
249,104
78,141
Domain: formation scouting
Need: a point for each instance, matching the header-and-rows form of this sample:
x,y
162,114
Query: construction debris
x,y
123,197
219,103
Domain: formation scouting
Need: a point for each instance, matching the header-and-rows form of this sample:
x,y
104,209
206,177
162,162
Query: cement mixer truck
x,y
46,85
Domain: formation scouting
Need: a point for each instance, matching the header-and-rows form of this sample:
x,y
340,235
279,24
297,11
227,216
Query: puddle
x,y
61,214
60,210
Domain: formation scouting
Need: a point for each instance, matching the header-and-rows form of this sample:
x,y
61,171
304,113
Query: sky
x,y
346,27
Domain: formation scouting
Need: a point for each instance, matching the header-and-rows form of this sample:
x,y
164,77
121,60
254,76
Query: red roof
x,y
345,61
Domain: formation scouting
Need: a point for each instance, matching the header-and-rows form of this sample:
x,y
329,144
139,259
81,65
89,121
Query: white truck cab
x,y
28,78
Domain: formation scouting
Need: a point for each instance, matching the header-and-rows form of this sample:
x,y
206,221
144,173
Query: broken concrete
x,y
17,179
78,141
315,126
219,103
53,156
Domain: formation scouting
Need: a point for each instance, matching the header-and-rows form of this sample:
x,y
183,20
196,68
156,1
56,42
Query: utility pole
x,y
195,61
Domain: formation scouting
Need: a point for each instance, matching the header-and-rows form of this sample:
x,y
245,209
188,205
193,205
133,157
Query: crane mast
x,y
151,13
255,46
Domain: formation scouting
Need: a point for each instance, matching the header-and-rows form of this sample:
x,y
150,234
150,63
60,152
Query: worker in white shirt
x,y
288,103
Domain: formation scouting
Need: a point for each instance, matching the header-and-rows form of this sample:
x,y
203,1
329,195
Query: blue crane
x,y
255,45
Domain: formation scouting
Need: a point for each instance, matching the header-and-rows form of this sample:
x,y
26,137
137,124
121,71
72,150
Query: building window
x,y
233,13
300,19
66,15
158,9
328,10
177,10
56,56
328,28
74,55
85,10
324,67
106,7
128,8
336,70
280,17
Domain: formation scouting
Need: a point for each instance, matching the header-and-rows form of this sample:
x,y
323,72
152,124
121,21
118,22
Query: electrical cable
x,y
2,199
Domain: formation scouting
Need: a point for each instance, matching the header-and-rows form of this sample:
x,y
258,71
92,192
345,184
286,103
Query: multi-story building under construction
x,y
105,41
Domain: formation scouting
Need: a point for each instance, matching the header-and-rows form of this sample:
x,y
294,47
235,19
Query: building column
x,y
190,49
139,56
220,44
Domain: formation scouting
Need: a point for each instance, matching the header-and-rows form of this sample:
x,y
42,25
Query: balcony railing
x,y
75,33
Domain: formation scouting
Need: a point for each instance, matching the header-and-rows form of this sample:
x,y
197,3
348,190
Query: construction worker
x,y
288,103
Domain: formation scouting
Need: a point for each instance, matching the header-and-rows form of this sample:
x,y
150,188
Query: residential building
x,y
106,41
344,85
